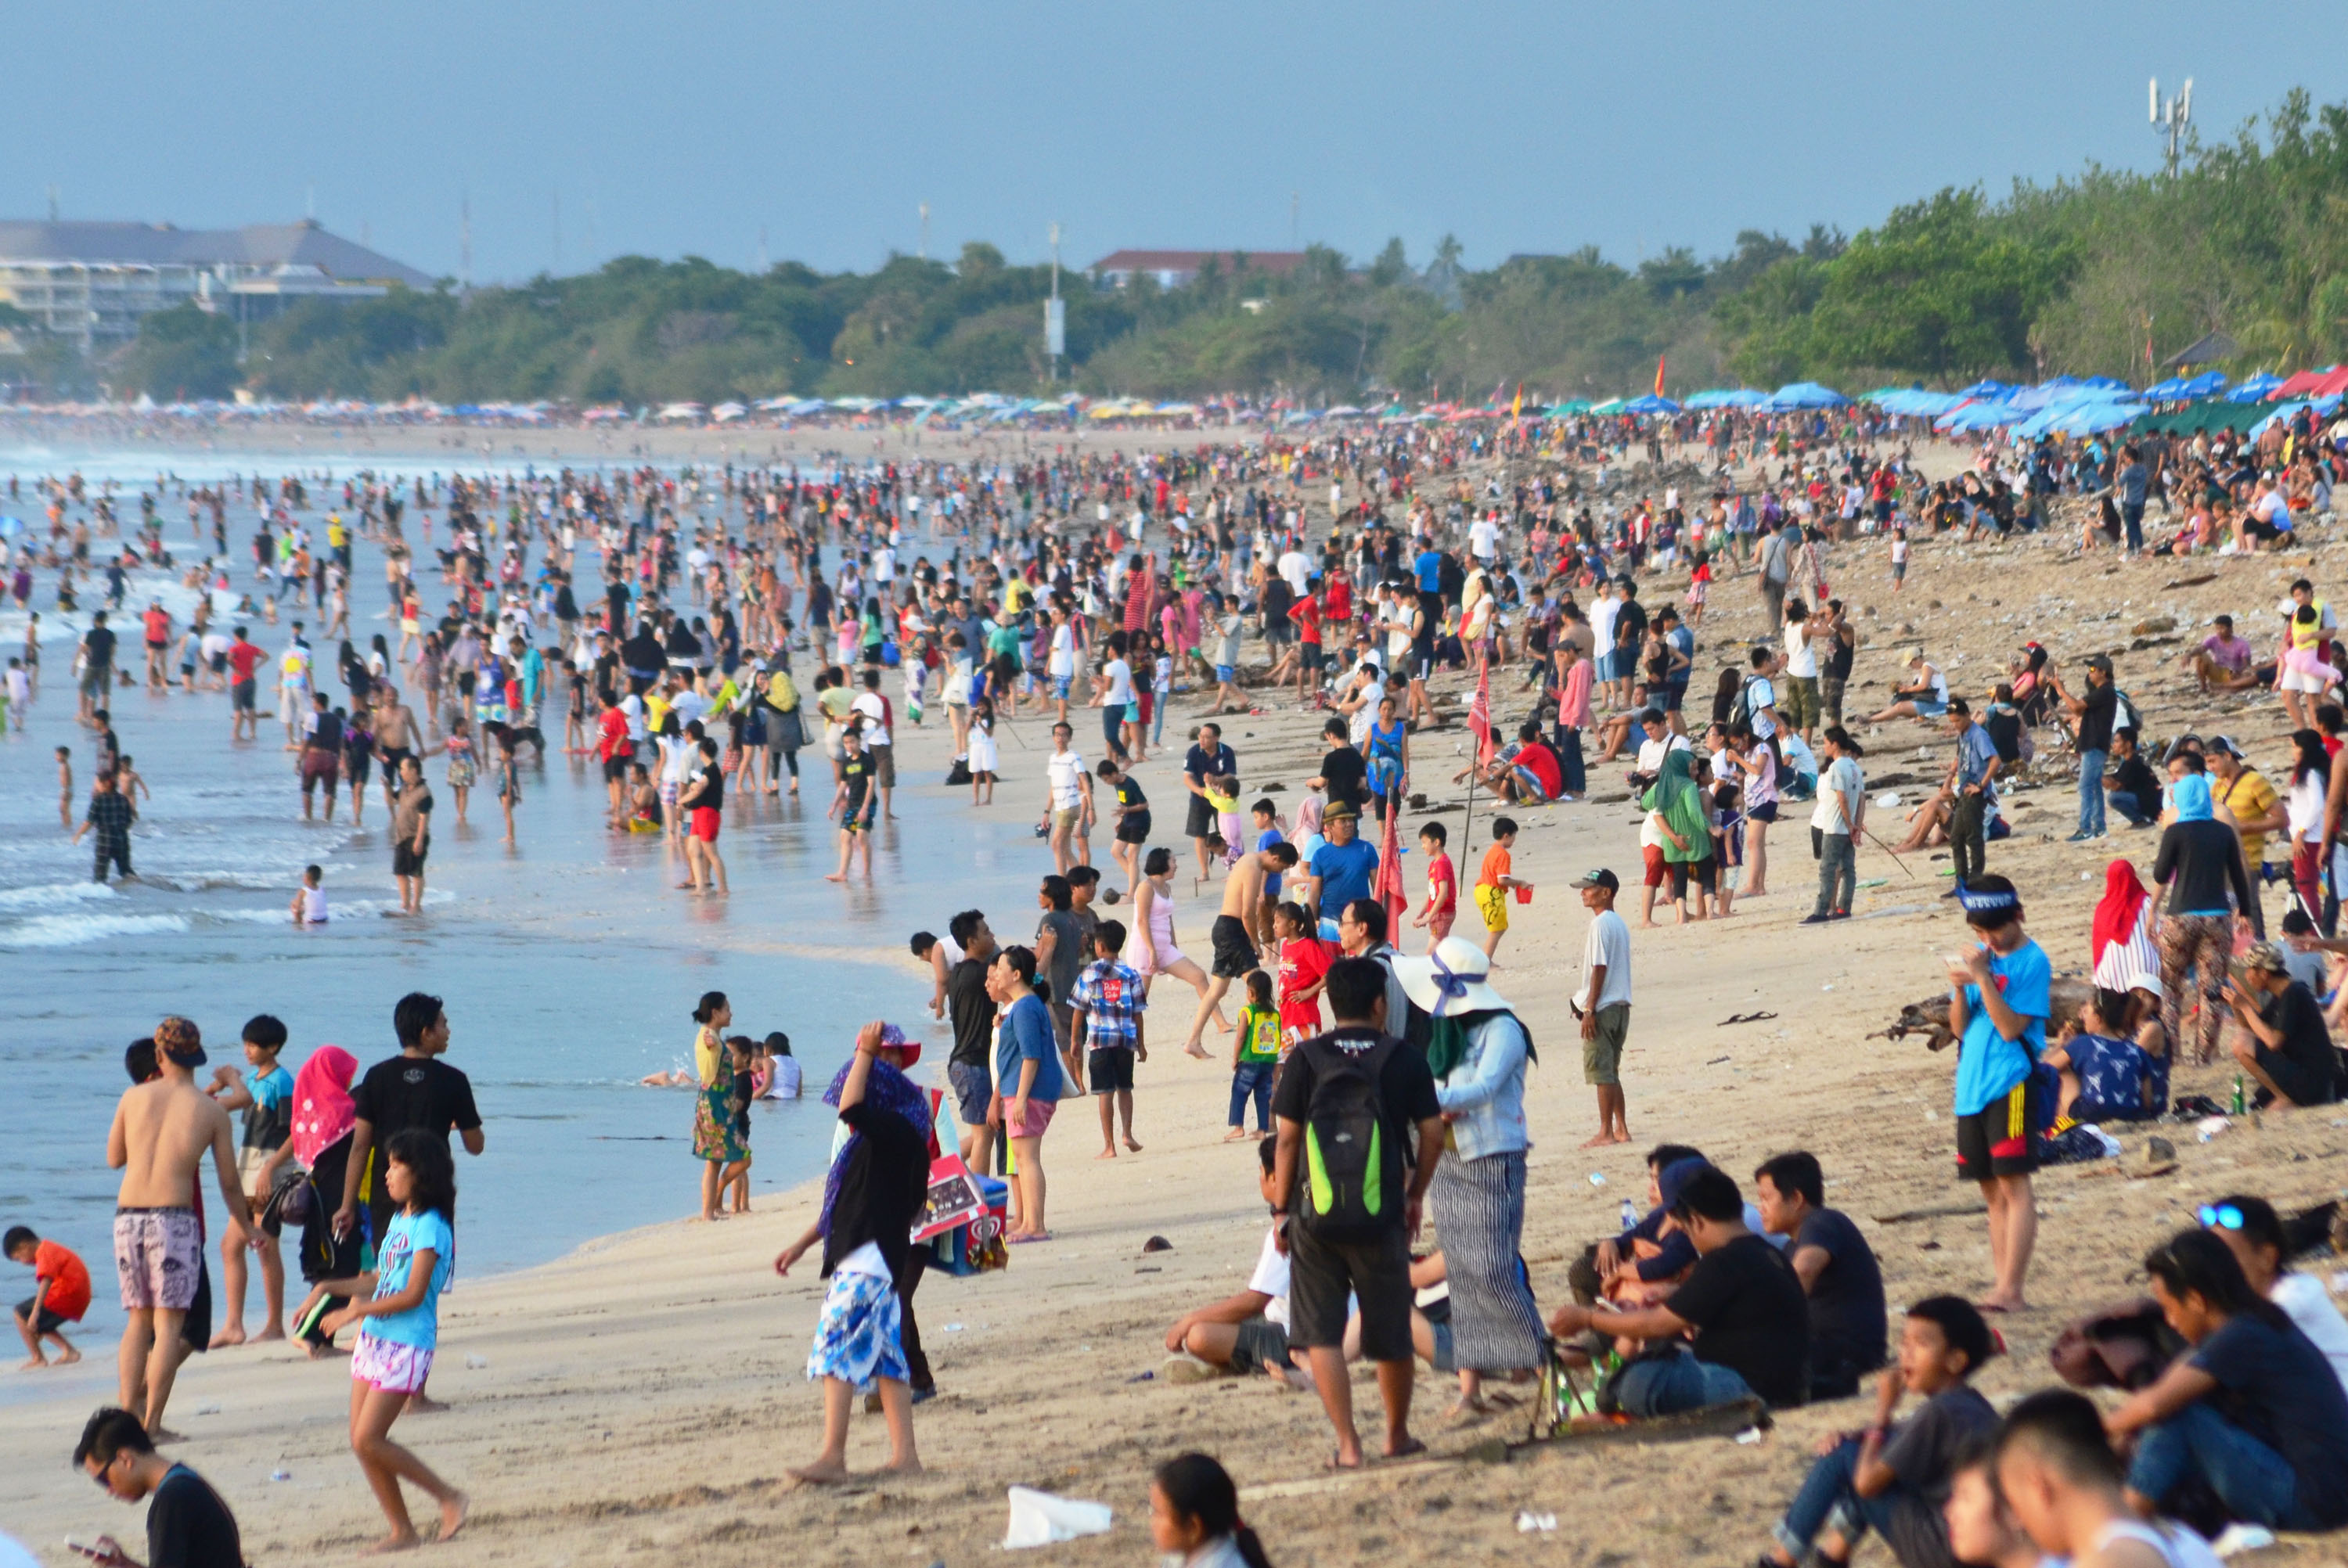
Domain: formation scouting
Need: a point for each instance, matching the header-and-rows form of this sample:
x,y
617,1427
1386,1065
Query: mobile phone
x,y
92,1552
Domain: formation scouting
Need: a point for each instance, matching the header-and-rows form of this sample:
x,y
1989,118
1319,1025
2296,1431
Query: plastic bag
x,y
1039,1519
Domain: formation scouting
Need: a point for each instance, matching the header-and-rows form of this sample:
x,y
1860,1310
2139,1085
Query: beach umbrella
x,y
1650,404
1804,395
2255,389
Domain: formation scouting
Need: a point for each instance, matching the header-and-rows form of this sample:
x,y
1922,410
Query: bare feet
x,y
1236,1135
1995,1303
911,1467
1108,1152
266,1335
817,1474
34,1365
422,1404
1131,1144
1195,1048
226,1337
836,877
401,1543
1602,1140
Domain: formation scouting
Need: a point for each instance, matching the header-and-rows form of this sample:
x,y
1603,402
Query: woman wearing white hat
x,y
1477,1054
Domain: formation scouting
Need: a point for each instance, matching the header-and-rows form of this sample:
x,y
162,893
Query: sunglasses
x,y
2220,1216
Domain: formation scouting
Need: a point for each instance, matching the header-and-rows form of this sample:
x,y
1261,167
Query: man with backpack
x,y
1359,1134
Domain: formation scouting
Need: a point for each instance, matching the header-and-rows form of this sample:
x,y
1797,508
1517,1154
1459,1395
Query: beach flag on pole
x,y
1389,883
1659,374
1480,711
1517,409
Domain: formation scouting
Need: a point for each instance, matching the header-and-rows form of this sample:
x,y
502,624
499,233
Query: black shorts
x,y
1235,954
615,770
1110,1068
1199,821
1133,828
1766,812
407,862
2001,1138
48,1322
240,696
196,1328
1258,1345
1323,1273
392,758
1313,655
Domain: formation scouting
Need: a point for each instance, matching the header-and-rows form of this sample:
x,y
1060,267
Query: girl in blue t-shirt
x,y
398,1308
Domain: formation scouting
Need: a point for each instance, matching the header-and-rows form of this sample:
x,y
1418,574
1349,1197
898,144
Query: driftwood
x,y
1929,1016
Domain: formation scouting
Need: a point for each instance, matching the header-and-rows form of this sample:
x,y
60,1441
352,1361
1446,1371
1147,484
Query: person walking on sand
x,y
162,1130
1604,1003
1234,946
396,1308
880,1182
1028,1082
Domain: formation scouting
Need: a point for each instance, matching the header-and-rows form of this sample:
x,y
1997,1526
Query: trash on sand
x,y
1527,1522
1039,1519
1750,1435
1597,1178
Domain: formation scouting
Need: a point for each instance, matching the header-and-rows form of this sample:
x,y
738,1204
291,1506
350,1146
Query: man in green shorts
x,y
1604,1003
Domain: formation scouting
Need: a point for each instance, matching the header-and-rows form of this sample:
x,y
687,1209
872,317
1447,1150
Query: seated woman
x,y
2251,1413
2113,1059
1924,695
1928,821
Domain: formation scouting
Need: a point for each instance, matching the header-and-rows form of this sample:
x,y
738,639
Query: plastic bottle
x,y
1630,1214
2238,1094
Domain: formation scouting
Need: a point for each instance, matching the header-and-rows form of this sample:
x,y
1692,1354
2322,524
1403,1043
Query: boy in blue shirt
x,y
1998,1003
265,1096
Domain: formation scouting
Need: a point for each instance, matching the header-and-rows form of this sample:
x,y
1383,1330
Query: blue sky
x,y
685,128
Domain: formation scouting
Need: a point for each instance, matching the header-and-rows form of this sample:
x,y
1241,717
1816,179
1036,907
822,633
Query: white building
x,y
92,282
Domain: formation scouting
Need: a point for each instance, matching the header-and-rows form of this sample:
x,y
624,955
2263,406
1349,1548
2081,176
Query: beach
x,y
643,1392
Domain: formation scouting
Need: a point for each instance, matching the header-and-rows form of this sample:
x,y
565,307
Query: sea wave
x,y
55,895
73,930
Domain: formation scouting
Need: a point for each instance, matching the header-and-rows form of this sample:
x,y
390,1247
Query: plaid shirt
x,y
110,818
1109,996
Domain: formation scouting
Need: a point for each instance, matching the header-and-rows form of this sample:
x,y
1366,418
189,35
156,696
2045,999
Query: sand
x,y
644,1394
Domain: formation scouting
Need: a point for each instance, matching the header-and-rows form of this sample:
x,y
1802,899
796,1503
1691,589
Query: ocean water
x,y
569,965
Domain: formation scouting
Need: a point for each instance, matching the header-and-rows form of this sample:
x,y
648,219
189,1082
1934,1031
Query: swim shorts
x,y
1492,903
1235,955
157,1253
1601,1052
1133,827
973,1087
1111,1068
392,1367
1998,1138
241,695
705,820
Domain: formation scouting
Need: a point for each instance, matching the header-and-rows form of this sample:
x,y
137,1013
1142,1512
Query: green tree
x,y
183,353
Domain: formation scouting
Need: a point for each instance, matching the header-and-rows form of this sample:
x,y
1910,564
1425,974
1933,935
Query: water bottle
x,y
2238,1094
1630,1214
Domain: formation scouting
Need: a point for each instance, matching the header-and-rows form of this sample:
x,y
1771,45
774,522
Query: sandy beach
x,y
643,1394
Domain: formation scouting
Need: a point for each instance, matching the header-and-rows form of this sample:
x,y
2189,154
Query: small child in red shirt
x,y
1442,885
1304,960
60,1295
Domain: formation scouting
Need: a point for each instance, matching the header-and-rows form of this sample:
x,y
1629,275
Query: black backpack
x,y
1353,1186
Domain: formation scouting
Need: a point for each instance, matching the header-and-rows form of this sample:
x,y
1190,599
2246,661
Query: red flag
x,y
1480,711
1389,881
1659,375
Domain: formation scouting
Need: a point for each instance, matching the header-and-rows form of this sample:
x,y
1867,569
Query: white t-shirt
x,y
787,1081
876,717
1604,613
1841,779
1760,695
1483,537
1608,943
689,706
314,905
1064,651
1120,682
1651,761
2303,1297
1271,1278
1297,568
1067,771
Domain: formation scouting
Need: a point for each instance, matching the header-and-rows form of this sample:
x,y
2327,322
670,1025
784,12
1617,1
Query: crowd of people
x,y
1387,1087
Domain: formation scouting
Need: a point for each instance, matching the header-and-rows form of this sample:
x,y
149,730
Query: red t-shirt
x,y
243,658
158,626
67,1280
1303,961
612,741
1306,613
1442,888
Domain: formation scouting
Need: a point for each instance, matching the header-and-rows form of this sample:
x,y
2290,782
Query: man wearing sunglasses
x,y
188,1525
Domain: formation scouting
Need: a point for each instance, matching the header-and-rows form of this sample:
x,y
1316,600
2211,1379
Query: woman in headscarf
x,y
1677,811
2200,864
2123,944
885,1087
323,1118
1478,1053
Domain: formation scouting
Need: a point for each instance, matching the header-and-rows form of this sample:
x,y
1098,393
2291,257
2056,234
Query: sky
x,y
593,129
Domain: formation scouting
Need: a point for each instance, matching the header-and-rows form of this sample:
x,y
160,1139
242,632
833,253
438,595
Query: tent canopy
x,y
2211,348
1650,404
1800,394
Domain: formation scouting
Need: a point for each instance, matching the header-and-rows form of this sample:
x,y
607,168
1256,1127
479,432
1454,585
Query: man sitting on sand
x,y
162,1130
1246,1333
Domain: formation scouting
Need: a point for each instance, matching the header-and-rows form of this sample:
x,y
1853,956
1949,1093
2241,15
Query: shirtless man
x,y
395,740
161,1131
1235,952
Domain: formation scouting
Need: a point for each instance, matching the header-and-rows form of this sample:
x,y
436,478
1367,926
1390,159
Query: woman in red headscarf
x,y
2121,942
324,1116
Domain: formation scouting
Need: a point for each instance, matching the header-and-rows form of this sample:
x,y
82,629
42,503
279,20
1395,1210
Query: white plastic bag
x,y
1039,1519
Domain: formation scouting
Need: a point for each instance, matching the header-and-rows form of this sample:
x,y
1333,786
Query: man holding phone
x,y
188,1525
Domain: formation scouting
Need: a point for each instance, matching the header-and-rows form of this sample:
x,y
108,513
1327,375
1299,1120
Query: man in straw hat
x,y
1478,1053
161,1131
1922,694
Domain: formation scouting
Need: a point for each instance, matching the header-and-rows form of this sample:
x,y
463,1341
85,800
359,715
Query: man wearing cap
x,y
1973,784
1999,999
2257,811
1604,1003
2285,1045
1343,868
2093,713
161,1131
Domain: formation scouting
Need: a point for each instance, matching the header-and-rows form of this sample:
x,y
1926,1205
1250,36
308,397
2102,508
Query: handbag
x,y
786,731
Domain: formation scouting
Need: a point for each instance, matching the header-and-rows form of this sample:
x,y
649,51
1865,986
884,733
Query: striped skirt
x,y
1478,1208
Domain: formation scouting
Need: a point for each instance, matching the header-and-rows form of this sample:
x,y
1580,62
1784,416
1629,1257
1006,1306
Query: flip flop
x,y
1018,1240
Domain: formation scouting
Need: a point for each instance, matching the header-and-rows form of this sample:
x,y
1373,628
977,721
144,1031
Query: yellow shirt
x,y
2249,797
708,1053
